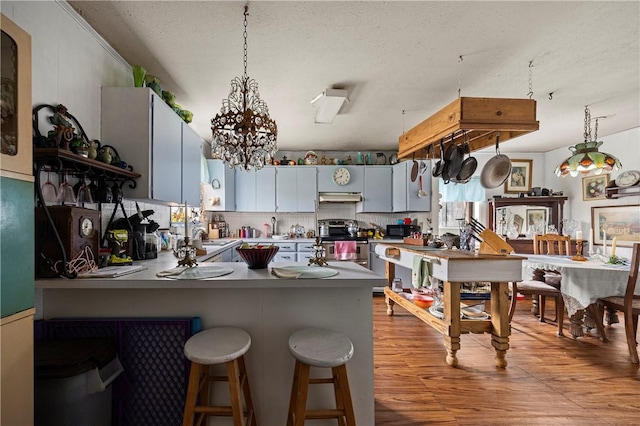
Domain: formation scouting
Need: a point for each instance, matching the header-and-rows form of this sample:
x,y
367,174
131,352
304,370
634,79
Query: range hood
x,y
340,197
476,120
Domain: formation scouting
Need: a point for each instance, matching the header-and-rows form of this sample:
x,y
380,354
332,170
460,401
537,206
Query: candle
x,y
186,220
579,235
591,241
614,241
604,242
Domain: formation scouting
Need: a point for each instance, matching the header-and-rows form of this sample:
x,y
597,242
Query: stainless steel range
x,y
336,230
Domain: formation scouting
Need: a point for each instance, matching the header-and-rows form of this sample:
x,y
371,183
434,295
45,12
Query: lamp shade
x,y
587,159
328,105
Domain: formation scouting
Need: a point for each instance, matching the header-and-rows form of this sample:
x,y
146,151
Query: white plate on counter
x,y
298,272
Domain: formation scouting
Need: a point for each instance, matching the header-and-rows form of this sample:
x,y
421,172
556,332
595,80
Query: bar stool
x,y
317,347
220,345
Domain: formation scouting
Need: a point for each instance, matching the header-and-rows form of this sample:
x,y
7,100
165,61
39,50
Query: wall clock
x,y
341,176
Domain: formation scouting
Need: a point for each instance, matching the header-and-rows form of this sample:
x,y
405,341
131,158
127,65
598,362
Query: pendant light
x,y
243,133
586,159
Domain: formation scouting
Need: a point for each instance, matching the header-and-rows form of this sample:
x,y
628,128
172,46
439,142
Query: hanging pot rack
x,y
475,120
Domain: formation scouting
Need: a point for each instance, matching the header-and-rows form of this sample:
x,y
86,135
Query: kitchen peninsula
x,y
267,307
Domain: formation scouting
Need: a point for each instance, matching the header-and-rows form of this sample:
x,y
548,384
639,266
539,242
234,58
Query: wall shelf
x,y
617,192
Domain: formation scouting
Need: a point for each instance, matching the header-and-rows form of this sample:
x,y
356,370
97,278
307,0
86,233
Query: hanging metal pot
x,y
497,169
452,161
468,168
437,169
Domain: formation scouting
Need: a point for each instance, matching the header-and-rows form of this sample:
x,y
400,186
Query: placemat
x,y
297,272
195,273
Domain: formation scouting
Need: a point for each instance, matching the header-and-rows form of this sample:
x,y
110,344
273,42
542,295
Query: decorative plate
x,y
628,178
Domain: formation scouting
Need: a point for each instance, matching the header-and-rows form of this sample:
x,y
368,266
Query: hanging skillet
x,y
452,161
497,169
437,169
414,169
468,168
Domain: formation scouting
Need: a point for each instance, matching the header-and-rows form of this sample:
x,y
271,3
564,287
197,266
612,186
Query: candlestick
x,y
614,241
186,220
579,257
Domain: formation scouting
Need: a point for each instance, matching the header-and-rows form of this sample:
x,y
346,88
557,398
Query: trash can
x,y
72,381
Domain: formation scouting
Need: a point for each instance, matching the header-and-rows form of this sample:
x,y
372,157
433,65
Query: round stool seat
x,y
319,347
217,345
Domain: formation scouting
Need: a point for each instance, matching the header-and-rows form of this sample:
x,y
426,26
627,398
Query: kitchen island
x,y
455,267
267,307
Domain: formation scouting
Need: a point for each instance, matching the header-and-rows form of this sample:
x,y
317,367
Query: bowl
x,y
257,257
422,300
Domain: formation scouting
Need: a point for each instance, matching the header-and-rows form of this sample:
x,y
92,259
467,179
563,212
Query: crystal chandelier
x,y
243,133
586,158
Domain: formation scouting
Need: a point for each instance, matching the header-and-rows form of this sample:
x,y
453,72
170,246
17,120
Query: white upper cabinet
x,y
378,189
354,182
219,192
155,141
296,189
405,192
256,190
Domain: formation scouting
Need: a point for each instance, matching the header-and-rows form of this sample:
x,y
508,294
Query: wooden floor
x,y
550,380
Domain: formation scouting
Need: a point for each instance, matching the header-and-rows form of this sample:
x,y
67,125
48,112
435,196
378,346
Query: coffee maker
x,y
137,232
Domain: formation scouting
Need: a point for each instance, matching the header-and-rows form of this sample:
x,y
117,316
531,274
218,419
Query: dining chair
x,y
544,283
629,305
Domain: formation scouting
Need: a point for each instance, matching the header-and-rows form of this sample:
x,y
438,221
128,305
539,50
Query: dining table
x,y
583,283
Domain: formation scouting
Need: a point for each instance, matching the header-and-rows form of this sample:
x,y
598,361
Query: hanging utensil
x,y
437,169
497,169
414,169
468,167
421,192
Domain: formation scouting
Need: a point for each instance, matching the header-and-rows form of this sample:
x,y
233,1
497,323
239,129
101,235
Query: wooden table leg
x,y
596,315
575,326
451,299
390,274
500,328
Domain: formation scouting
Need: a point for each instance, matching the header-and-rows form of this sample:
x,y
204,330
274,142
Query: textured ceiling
x,y
392,57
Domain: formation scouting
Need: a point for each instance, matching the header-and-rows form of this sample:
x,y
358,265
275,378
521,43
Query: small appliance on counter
x,y
400,231
137,233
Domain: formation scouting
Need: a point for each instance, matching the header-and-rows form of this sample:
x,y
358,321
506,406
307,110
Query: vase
x,y
138,75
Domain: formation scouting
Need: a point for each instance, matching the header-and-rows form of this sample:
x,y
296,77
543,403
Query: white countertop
x,y
349,274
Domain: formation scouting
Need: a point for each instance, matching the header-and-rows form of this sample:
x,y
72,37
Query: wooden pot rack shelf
x,y
476,120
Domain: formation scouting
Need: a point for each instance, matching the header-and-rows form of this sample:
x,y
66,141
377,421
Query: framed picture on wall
x,y
536,217
621,222
520,178
593,187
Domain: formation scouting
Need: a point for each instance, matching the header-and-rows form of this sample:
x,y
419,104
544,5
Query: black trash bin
x,y
72,381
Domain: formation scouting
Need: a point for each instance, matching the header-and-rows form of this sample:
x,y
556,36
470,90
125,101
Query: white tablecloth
x,y
582,282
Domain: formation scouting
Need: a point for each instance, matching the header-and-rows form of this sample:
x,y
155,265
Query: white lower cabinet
x,y
286,253
305,252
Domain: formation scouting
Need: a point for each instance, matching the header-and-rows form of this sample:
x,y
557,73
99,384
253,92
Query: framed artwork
x,y
520,178
622,222
593,187
535,216
517,222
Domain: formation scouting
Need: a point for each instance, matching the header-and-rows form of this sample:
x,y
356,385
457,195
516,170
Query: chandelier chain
x,y
587,122
459,74
244,34
595,131
530,94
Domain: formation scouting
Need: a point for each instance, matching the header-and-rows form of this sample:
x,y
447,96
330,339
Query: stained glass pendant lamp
x,y
243,133
586,158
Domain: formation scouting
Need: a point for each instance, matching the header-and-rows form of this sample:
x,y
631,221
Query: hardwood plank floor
x,y
549,380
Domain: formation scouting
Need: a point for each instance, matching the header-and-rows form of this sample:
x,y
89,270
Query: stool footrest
x,y
316,381
324,414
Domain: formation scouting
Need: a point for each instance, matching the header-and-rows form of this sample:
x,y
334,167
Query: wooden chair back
x,y
552,244
629,294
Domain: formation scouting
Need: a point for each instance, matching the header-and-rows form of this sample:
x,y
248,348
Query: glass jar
x,y
396,285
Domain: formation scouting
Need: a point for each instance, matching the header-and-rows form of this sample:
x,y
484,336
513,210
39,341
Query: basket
x,y
257,258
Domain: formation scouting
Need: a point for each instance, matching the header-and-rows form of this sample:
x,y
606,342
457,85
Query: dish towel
x,y
420,272
345,250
